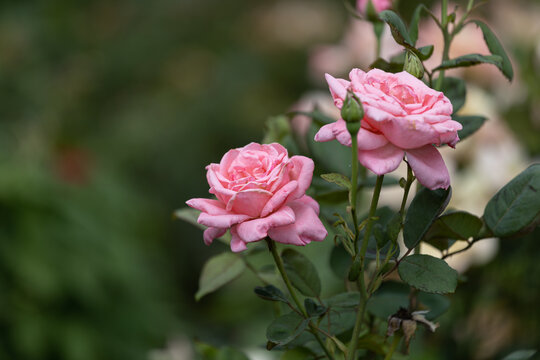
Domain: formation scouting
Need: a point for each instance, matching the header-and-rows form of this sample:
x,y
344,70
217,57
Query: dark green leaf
x,y
302,273
454,89
428,273
228,353
387,303
344,300
270,292
340,261
459,225
426,206
496,48
373,342
338,179
218,271
397,27
392,67
470,123
425,52
286,328
297,354
413,26
516,206
313,309
470,60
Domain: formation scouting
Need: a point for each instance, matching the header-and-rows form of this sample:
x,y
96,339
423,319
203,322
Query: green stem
x,y
362,254
354,188
395,343
285,277
447,40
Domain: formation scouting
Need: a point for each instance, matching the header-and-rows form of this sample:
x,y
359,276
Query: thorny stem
x,y
285,277
361,310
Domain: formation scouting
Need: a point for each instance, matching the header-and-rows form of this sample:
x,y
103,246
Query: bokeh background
x,y
109,112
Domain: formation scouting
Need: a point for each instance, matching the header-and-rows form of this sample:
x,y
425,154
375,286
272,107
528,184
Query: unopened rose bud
x,y
413,65
352,112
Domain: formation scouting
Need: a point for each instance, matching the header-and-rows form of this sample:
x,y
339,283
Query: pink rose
x,y
379,5
402,116
260,192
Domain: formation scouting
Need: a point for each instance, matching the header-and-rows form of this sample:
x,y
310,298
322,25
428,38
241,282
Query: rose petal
x,y
257,229
382,160
216,187
300,169
211,233
429,167
338,89
221,221
325,133
309,201
279,198
249,202
368,140
212,207
306,228
237,244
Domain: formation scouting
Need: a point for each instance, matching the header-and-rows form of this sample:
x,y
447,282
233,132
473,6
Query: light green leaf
x,y
302,273
428,273
521,355
516,207
286,328
426,206
218,271
496,48
338,179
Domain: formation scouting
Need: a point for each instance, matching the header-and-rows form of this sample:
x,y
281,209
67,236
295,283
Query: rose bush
x,y
379,5
402,116
260,192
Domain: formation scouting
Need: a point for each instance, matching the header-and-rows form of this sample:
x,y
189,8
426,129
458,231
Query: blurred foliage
x,y
109,112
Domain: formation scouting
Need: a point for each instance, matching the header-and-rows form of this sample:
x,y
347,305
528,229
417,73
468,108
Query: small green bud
x,y
413,65
352,110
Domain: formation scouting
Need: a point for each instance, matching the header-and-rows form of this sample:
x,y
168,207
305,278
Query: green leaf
x,y
344,300
437,304
272,293
470,123
470,60
297,354
454,89
228,353
286,328
516,207
277,129
391,67
338,179
313,309
496,48
459,225
340,261
218,271
428,273
302,273
426,206
397,27
425,52
521,355
413,26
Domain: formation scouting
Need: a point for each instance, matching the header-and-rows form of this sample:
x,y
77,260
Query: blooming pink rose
x,y
379,5
260,192
402,116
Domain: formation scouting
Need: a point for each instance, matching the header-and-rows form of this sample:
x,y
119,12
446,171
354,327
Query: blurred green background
x,y
109,112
